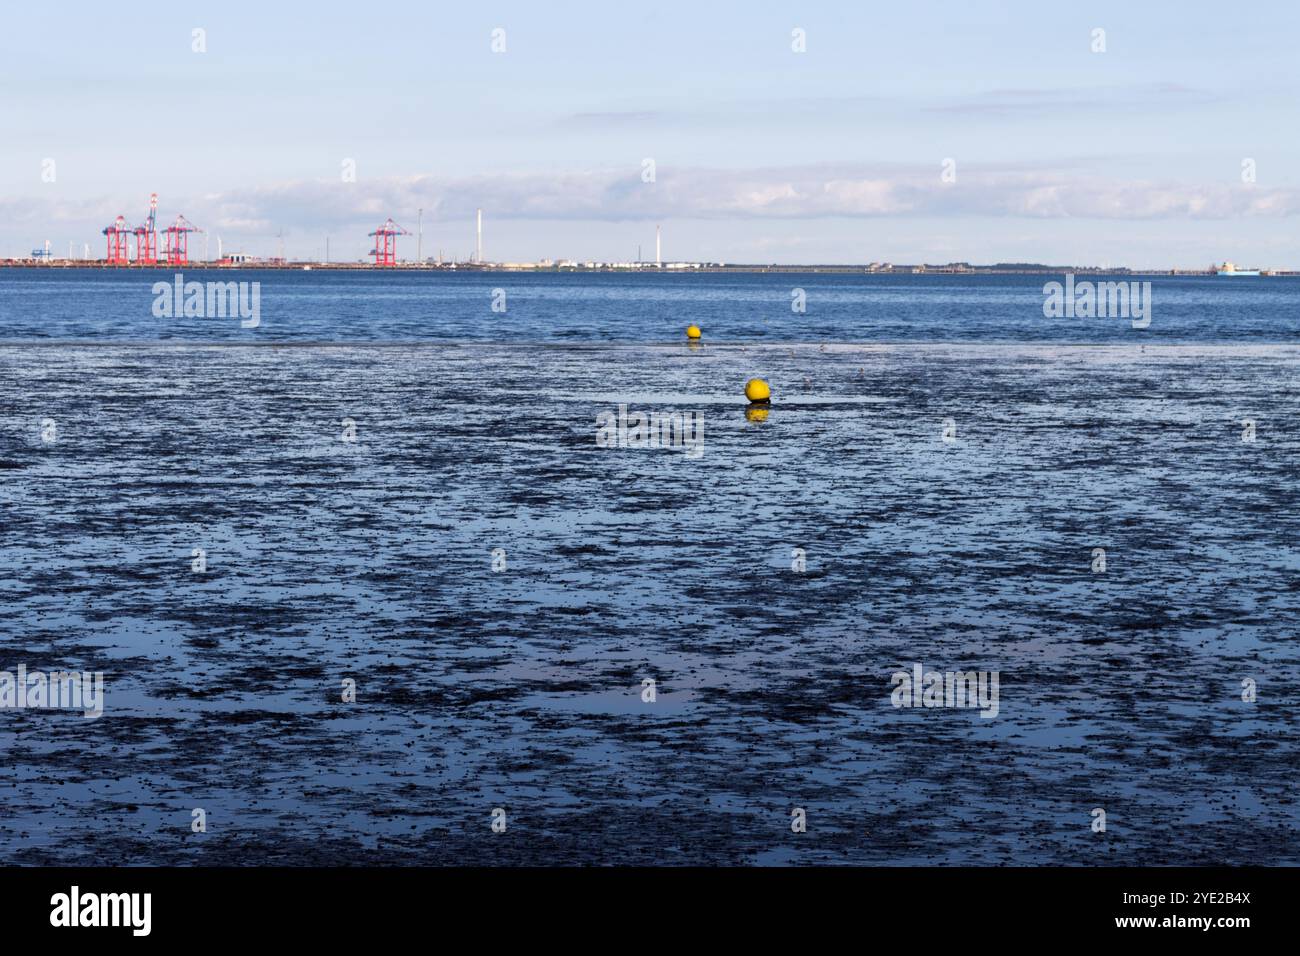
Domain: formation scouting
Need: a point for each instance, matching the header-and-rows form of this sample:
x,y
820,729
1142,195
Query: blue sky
x,y
1132,156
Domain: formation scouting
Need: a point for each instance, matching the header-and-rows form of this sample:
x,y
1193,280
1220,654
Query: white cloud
x,y
789,193
618,195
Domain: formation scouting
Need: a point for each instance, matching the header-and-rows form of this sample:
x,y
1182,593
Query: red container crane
x,y
385,251
176,244
119,242
146,236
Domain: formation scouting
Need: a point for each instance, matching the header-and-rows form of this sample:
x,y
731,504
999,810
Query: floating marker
x,y
757,392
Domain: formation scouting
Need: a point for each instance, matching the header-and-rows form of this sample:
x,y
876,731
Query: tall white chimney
x,y
659,259
478,246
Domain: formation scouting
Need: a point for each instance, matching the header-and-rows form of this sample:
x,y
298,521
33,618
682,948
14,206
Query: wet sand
x,y
521,688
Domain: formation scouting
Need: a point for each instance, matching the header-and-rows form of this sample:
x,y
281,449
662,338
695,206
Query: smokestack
x,y
478,246
659,261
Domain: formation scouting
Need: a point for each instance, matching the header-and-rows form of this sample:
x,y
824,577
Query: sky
x,y
902,132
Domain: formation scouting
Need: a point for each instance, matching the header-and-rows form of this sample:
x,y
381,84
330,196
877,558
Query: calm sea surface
x,y
389,306
372,560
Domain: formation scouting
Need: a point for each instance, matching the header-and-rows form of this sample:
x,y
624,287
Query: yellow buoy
x,y
693,332
756,390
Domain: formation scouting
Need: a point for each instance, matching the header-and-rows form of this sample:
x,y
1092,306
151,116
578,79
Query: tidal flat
x,y
499,587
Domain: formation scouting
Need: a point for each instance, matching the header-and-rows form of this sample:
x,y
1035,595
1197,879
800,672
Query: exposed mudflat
x,y
521,688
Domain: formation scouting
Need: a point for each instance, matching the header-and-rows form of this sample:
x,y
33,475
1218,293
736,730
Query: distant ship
x,y
1229,269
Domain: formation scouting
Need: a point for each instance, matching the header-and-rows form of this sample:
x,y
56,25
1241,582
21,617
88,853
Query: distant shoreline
x,y
633,269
